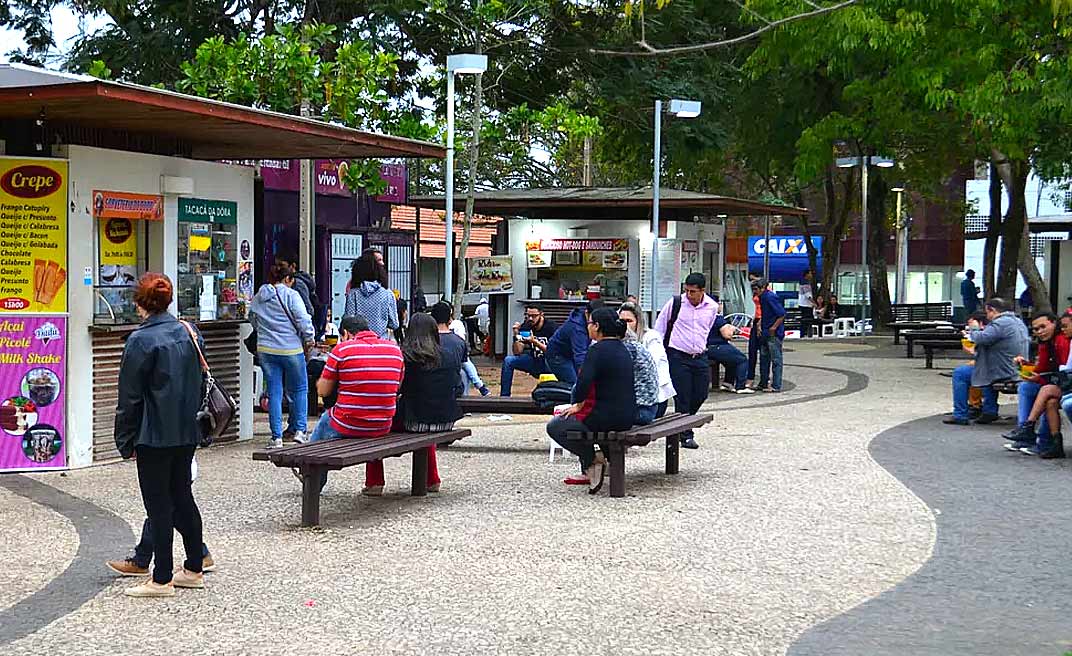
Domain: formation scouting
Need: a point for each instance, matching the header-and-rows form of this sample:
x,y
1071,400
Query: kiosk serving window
x,y
208,265
122,251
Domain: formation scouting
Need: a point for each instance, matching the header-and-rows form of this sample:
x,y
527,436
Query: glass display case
x,y
207,285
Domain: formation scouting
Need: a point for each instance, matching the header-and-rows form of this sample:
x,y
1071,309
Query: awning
x,y
208,129
609,203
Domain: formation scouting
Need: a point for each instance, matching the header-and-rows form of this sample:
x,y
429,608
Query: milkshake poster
x,y
33,394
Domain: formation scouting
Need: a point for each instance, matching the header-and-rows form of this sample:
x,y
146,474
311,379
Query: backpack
x,y
675,310
552,393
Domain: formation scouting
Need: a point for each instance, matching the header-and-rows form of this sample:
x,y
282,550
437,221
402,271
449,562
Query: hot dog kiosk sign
x,y
33,235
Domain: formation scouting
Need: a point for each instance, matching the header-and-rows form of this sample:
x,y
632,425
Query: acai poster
x,y
33,366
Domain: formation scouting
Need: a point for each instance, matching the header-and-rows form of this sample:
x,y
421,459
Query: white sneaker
x,y
746,390
277,443
300,437
727,387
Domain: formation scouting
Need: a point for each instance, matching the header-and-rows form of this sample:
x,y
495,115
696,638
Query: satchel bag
x,y
551,393
218,408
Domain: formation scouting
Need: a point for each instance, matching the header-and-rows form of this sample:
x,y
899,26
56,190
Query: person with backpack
x,y
685,322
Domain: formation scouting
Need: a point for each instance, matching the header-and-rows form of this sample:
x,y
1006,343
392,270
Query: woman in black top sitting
x,y
604,397
428,396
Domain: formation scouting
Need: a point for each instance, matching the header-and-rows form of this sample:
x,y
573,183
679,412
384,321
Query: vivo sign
x,y
783,246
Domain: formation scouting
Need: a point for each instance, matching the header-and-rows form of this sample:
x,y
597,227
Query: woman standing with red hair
x,y
160,393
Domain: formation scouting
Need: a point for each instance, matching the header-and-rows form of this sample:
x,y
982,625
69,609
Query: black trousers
x,y
692,381
807,320
164,478
753,349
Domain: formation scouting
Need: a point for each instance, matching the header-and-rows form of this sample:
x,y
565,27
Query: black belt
x,y
690,355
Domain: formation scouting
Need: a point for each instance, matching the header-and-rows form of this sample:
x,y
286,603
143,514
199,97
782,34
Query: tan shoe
x,y
434,488
372,490
207,564
126,568
151,589
187,579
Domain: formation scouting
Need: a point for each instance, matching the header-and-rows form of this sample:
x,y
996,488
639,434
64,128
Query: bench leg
x,y
896,337
911,351
930,359
310,506
616,456
673,450
420,473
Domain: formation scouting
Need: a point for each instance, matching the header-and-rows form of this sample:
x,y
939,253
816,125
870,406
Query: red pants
x,y
374,471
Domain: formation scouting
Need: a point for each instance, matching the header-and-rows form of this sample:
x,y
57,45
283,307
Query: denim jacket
x,y
161,387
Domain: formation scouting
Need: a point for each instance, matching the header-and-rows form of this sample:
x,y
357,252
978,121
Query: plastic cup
x,y
525,334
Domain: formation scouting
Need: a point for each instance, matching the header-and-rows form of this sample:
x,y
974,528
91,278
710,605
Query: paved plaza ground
x,y
839,517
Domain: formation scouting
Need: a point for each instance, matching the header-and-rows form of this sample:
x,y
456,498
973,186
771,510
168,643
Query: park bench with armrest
x,y
614,444
312,460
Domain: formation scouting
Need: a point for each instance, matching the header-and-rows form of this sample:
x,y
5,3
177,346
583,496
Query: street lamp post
x,y
456,65
865,162
902,247
680,109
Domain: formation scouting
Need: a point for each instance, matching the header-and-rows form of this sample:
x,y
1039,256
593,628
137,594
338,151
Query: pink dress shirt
x,y
693,324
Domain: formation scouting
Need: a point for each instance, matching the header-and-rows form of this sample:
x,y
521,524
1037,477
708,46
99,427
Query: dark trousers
x,y
562,367
807,320
692,380
164,478
753,350
143,551
585,451
733,360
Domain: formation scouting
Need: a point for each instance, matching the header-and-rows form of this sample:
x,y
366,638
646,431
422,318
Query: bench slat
x,y
347,451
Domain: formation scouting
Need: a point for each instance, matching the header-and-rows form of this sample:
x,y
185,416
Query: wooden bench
x,y
314,459
922,311
515,405
615,444
901,327
930,346
915,336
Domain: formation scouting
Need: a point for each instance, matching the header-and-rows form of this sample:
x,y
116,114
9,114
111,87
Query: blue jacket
x,y
571,339
772,309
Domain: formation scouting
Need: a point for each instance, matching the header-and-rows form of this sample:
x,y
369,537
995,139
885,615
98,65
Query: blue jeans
x,y
525,362
770,361
732,360
961,383
1066,405
288,369
324,431
562,368
645,414
753,351
470,376
1026,392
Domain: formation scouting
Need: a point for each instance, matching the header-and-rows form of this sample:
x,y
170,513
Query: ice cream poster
x,y
33,394
33,235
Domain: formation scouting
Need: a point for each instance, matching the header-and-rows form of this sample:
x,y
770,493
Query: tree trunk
x,y
877,237
470,194
993,233
1040,291
1014,176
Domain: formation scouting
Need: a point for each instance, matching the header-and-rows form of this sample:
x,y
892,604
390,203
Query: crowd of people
x,y
999,342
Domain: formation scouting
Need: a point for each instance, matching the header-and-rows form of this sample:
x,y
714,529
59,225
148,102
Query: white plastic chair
x,y
554,445
258,386
843,327
862,328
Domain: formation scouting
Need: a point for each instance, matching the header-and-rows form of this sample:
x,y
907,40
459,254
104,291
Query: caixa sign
x,y
788,256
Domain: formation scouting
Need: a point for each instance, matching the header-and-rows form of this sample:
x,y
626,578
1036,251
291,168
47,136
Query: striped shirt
x,y
369,371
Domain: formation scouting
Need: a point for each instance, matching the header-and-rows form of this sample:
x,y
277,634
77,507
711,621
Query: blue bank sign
x,y
788,256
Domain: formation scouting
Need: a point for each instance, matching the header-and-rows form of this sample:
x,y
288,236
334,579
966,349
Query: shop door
x,y
400,268
344,250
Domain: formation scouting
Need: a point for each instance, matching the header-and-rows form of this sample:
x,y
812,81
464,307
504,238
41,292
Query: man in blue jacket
x,y
568,346
772,327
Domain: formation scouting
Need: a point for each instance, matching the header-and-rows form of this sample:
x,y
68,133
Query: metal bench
x,y
930,346
517,405
312,460
914,337
614,444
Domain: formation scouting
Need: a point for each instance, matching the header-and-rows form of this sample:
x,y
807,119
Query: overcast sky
x,y
64,26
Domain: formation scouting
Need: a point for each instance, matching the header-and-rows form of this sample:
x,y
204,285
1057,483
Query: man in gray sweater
x,y
996,348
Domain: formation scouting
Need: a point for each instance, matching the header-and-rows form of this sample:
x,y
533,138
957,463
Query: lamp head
x,y
846,162
466,64
685,108
897,189
882,162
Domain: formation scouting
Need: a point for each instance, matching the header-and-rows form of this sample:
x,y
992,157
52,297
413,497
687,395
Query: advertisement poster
x,y
615,260
121,205
577,245
245,282
33,235
491,275
539,259
33,354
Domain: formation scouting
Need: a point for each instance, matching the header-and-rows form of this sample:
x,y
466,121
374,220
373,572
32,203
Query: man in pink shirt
x,y
685,321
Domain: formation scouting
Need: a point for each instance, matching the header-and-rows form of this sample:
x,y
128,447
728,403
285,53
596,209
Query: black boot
x,y
1056,450
1025,432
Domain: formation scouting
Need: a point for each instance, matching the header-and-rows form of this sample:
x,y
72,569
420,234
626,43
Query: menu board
x,y
33,235
491,275
33,365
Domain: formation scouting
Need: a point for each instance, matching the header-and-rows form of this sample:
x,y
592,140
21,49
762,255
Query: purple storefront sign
x,y
285,175
395,177
33,392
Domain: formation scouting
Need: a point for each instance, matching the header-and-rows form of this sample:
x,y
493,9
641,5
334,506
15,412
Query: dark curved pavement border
x,y
854,382
100,534
998,581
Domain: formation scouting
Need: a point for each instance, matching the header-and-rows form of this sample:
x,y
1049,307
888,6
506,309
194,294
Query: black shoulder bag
x,y
675,310
218,408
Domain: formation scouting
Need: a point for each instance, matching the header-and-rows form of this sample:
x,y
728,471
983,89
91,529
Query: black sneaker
x,y
973,412
986,418
956,421
1056,450
1016,447
689,443
1025,432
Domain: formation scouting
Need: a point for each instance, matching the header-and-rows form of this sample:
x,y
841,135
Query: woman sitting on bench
x,y
604,398
1025,437
428,401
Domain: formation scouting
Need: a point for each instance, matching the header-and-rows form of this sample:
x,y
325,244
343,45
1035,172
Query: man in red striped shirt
x,y
367,372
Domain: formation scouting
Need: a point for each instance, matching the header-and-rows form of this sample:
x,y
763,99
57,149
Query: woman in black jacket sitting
x,y
604,397
428,400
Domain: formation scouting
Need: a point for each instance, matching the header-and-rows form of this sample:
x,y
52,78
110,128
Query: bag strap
x,y
286,311
675,309
197,347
